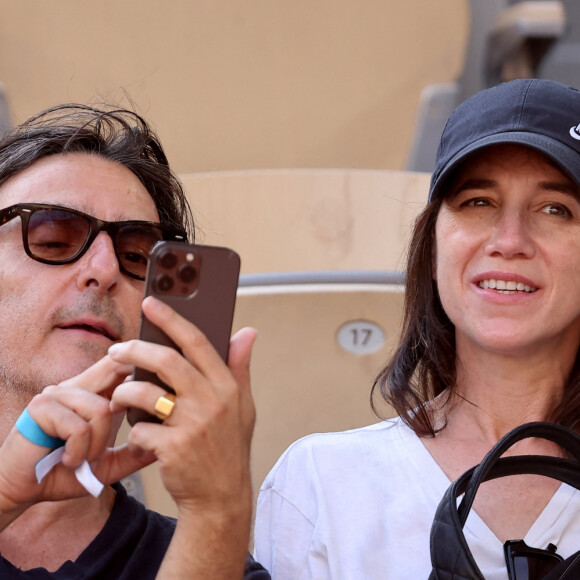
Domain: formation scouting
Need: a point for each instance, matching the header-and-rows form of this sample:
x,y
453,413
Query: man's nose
x,y
99,267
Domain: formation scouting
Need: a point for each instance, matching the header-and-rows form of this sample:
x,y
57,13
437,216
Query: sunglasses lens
x,y
134,243
533,568
525,563
56,235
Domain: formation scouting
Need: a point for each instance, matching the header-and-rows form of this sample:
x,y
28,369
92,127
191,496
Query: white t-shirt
x,y
359,504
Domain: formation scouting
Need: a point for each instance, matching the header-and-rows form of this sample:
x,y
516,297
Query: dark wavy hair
x,y
424,363
114,133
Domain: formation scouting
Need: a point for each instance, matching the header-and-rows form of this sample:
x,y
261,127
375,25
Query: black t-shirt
x,y
131,546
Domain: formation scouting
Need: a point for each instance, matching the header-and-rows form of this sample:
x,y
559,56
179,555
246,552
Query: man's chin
x,y
72,361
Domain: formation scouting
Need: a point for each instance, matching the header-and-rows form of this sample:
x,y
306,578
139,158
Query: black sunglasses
x,y
525,563
52,234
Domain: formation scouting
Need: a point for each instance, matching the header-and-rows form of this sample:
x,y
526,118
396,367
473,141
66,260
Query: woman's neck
x,y
494,393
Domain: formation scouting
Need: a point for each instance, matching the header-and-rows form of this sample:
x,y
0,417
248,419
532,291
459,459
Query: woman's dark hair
x,y
114,133
424,363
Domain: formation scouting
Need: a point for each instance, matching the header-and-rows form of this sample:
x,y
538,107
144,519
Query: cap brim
x,y
564,157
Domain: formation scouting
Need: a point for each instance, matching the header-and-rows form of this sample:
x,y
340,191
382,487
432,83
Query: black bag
x,y
451,557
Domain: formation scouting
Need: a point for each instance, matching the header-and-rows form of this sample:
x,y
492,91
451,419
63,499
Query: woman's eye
x,y
557,210
476,202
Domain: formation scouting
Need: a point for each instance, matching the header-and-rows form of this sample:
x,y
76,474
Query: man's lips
x,y
92,326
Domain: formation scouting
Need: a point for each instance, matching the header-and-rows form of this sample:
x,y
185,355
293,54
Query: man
x,y
73,182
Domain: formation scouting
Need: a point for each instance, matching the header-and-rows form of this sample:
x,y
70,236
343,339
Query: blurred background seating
x,y
242,85
508,39
284,220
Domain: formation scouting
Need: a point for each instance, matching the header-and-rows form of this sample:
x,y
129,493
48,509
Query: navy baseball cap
x,y
541,114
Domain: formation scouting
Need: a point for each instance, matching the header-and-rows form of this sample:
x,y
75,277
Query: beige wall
x,y
234,84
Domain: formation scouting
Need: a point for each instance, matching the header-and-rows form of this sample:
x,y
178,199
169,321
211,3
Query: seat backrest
x,y
561,62
319,348
308,219
508,39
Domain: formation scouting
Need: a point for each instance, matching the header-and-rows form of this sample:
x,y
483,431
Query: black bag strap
x,y
559,434
450,554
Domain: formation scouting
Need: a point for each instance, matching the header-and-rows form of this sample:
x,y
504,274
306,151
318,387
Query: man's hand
x,y
77,411
203,447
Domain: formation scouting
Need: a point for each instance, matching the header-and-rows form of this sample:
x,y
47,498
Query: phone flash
x,y
190,257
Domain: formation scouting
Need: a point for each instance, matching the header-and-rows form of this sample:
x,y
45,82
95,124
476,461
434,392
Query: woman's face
x,y
507,261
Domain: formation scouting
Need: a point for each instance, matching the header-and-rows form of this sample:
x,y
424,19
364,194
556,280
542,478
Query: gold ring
x,y
164,406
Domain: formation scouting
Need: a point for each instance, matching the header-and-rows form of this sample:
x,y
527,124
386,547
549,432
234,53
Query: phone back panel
x,y
207,301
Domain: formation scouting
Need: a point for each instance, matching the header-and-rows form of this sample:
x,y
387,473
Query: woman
x,y
490,341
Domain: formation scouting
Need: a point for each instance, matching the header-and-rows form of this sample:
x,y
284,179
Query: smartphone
x,y
198,282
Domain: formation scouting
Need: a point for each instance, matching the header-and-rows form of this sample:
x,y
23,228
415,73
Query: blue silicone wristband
x,y
30,429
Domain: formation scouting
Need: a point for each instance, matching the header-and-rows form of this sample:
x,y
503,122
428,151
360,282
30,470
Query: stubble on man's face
x,y
24,372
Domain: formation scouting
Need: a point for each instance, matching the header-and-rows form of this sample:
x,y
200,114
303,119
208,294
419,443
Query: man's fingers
x,y
120,462
136,394
81,418
100,377
240,354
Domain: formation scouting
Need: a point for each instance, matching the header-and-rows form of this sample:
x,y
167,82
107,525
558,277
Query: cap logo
x,y
575,132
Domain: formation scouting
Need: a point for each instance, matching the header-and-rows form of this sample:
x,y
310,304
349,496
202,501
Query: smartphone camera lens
x,y
164,283
168,260
187,273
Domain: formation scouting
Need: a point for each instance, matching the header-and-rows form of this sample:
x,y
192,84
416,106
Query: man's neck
x,y
51,533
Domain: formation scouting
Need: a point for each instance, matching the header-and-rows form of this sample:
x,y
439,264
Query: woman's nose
x,y
511,236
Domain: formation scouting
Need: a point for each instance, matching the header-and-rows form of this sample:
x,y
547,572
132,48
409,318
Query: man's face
x,y
55,321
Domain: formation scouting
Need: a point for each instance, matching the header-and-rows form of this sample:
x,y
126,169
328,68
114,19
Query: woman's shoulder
x,y
389,430
365,447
